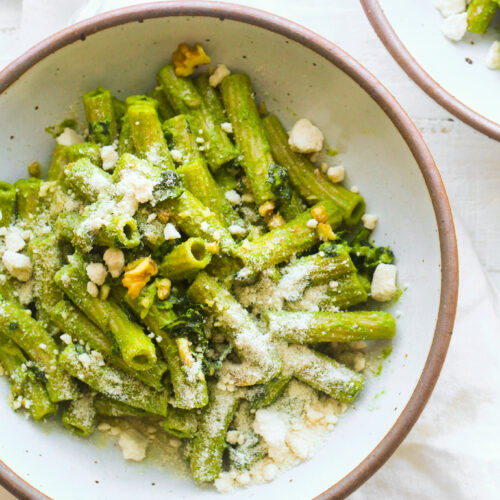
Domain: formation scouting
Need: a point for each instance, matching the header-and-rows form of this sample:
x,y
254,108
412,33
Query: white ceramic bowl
x,y
453,73
299,74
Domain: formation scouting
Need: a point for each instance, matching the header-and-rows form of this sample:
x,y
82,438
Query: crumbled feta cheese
x,y
200,140
96,272
115,260
176,155
221,71
69,137
42,346
109,157
455,27
18,265
237,230
14,239
269,472
232,437
305,137
369,221
312,223
243,479
133,445
333,284
170,232
66,338
92,289
493,58
384,282
227,127
98,357
273,430
359,362
299,445
233,197
217,235
355,189
151,218
84,359
204,226
450,7
336,174
134,185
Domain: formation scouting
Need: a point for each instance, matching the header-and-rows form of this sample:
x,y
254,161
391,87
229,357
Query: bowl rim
x,y
375,14
333,54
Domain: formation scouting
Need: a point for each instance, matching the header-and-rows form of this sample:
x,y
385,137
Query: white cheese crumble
x,y
115,260
69,137
66,338
42,346
18,265
455,27
176,155
369,221
92,289
109,157
355,189
227,127
384,282
84,359
96,272
14,239
336,174
311,223
237,230
305,137
233,197
133,445
493,58
450,7
170,232
221,71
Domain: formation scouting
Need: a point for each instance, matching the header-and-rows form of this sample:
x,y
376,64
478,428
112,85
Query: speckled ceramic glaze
x,y
298,74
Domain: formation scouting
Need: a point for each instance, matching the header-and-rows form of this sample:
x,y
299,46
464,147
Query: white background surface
x,y
470,166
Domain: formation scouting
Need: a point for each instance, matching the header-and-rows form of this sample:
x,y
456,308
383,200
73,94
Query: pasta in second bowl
x,y
295,79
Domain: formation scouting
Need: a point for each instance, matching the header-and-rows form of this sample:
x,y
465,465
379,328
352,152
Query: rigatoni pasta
x,y
185,269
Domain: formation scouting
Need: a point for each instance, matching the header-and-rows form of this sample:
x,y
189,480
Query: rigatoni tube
x,y
147,135
210,440
185,98
80,416
136,348
305,327
280,244
252,345
321,372
310,182
185,260
112,382
238,98
33,339
100,114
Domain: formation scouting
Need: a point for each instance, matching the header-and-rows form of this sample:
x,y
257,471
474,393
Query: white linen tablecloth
x,y
453,452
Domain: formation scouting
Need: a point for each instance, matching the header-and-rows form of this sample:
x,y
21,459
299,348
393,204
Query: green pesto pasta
x,y
186,277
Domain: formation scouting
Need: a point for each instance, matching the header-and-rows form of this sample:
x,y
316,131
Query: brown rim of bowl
x,y
400,53
449,259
